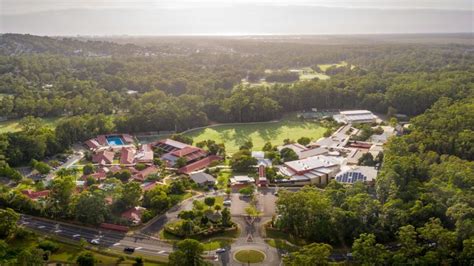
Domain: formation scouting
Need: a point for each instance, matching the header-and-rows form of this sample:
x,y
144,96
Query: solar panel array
x,y
351,177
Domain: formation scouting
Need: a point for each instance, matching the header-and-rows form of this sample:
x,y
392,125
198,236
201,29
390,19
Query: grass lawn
x,y
249,256
325,67
13,126
314,75
223,178
276,234
214,244
68,253
281,244
235,135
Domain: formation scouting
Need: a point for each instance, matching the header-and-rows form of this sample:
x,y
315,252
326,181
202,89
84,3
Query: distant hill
x,y
17,44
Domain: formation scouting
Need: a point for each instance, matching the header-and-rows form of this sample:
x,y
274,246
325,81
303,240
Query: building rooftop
x,y
313,162
258,155
352,174
202,178
127,156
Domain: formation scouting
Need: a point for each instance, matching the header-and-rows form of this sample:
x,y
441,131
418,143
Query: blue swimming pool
x,y
115,141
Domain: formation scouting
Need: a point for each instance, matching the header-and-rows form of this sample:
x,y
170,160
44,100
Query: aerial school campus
x,y
185,189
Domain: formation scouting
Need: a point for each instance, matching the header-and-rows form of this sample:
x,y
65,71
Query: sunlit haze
x,y
212,17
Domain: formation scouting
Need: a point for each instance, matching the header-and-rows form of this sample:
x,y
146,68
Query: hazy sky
x,y
234,17
27,6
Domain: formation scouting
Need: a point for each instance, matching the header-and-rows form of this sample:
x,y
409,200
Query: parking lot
x,y
265,203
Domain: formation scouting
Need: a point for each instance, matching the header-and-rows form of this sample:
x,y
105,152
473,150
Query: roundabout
x,y
249,256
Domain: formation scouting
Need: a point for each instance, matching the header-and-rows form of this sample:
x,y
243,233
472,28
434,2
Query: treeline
x,y
421,209
17,44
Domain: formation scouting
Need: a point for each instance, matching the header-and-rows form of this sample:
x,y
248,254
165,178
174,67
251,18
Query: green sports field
x,y
235,135
13,126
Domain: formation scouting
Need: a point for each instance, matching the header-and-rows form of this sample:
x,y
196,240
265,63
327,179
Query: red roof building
x,y
114,169
189,153
103,157
127,156
99,176
134,214
199,164
149,186
34,195
143,174
262,177
145,154
102,140
92,144
127,138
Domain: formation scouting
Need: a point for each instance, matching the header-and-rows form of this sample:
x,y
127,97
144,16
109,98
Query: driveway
x,y
239,203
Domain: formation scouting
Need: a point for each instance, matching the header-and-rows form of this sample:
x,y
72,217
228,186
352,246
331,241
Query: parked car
x,y
129,249
220,250
95,241
227,202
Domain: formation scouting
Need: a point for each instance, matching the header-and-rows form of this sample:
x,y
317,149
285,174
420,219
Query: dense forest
x,y
181,84
420,211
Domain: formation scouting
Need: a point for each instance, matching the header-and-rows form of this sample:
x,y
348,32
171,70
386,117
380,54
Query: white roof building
x,y
356,116
302,151
241,179
260,156
314,170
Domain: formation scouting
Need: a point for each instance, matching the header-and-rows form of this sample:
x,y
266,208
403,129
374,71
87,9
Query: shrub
x,y
47,245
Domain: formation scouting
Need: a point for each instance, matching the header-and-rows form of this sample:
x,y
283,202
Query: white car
x,y
220,250
227,202
95,241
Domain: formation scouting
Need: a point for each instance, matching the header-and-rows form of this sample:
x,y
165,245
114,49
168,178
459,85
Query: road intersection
x,y
144,242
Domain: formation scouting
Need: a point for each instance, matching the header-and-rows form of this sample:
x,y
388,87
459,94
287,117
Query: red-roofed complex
x,y
199,164
127,156
34,195
189,153
93,144
109,141
103,157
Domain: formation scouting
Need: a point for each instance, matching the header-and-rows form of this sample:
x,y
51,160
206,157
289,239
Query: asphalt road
x,y
144,243
109,239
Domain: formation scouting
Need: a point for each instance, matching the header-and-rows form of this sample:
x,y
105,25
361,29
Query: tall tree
x,y
188,252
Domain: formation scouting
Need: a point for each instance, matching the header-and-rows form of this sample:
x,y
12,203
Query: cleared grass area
x,y
249,256
68,253
214,244
281,244
223,178
279,235
13,126
235,135
325,67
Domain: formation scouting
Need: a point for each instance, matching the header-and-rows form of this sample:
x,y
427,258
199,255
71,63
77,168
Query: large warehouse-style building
x,y
356,117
